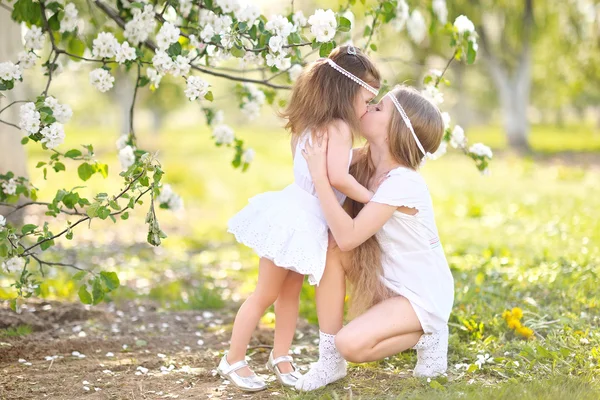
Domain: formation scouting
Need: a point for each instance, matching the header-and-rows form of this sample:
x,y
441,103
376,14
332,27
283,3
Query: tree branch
x,y
10,124
51,264
14,102
35,203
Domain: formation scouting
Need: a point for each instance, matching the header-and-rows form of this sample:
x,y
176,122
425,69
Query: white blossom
x,y
196,87
125,53
29,120
227,40
69,20
279,25
14,264
299,19
2,222
248,156
417,30
481,149
483,359
440,10
223,134
250,59
53,135
295,71
141,25
446,119
464,25
276,43
126,157
105,45
29,289
10,71
433,94
442,149
101,79
229,6
218,117
162,62
185,7
34,38
207,33
457,138
62,112
251,110
280,61
249,14
323,25
222,24
27,59
154,76
122,141
10,186
402,15
181,66
175,203
167,35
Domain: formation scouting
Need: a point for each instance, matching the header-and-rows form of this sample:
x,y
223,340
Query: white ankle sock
x,y
330,367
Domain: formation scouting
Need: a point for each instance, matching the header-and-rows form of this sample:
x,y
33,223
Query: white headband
x,y
351,76
407,122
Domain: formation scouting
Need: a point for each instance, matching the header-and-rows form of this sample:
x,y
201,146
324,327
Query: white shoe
x,y
432,354
250,383
321,375
289,379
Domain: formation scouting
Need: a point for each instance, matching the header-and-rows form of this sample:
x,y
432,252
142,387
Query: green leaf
x,y
25,140
174,49
114,205
141,343
40,164
28,228
125,216
144,80
344,24
373,47
436,385
13,304
237,51
46,245
3,250
73,153
103,169
54,23
92,210
111,280
97,291
79,275
85,171
325,49
84,295
471,54
294,38
59,167
209,96
367,31
103,212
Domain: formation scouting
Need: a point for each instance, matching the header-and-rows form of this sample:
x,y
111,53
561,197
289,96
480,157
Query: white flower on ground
x,y
248,156
29,120
141,371
442,149
440,10
10,186
10,71
162,62
402,15
279,25
69,20
126,157
196,87
53,135
417,30
295,71
14,264
122,141
141,25
105,45
62,112
167,35
464,25
223,134
433,94
457,138
125,53
27,59
481,149
101,79
154,76
276,43
323,25
299,19
34,38
483,359
249,13
446,119
109,354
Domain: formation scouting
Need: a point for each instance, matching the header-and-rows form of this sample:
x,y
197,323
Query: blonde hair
x,y
365,270
322,94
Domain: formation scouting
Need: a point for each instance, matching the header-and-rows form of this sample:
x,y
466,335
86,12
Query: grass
x,y
21,330
528,236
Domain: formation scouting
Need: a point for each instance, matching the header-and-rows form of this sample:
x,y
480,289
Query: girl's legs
x,y
387,328
286,317
270,281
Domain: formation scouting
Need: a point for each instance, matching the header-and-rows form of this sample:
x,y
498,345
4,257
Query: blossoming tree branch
x,y
191,40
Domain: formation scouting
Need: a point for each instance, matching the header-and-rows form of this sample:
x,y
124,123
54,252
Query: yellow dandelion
x,y
526,332
513,323
506,314
517,313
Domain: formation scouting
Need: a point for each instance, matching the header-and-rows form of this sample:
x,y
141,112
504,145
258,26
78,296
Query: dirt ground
x,y
130,352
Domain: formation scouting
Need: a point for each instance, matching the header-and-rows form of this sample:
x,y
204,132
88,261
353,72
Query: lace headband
x,y
407,122
350,75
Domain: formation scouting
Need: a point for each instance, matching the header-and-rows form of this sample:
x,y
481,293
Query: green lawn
x,y
527,236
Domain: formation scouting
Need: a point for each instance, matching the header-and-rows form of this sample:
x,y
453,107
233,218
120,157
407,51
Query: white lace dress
x,y
414,264
288,226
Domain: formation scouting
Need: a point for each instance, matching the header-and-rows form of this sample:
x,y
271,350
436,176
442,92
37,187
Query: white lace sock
x,y
432,354
330,367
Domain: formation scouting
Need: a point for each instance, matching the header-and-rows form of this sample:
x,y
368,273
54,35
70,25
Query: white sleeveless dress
x,y
288,226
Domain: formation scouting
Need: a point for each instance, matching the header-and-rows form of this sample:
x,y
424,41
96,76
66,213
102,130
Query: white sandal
x,y
250,383
288,379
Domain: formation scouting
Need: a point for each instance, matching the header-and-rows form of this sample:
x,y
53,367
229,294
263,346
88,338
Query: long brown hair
x,y
322,94
365,270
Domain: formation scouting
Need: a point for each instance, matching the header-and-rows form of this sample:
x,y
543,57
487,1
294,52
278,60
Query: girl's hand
x,y
315,155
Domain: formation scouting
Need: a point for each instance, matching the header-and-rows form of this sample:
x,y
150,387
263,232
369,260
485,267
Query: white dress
x,y
288,226
414,264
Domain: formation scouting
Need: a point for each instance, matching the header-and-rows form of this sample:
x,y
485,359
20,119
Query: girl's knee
x,y
262,299
350,346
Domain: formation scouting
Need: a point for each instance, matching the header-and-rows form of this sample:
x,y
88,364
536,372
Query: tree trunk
x,y
12,153
124,96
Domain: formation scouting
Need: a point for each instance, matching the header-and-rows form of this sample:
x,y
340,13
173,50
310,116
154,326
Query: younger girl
x,y
287,229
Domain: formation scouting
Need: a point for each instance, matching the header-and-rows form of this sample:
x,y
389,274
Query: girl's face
x,y
361,101
374,124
